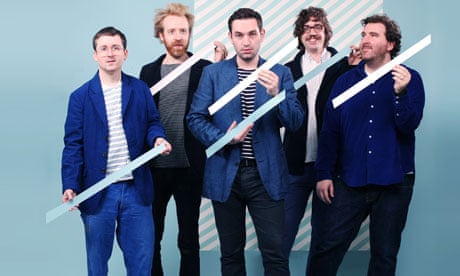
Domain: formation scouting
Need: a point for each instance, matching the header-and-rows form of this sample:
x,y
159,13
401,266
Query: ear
x,y
162,39
95,55
262,34
230,35
390,46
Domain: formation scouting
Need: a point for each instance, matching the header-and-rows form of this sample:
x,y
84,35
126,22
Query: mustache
x,y
313,36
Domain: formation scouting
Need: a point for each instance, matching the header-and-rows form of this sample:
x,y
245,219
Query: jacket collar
x,y
97,97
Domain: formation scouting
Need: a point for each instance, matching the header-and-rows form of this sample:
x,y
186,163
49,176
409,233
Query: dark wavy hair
x,y
307,14
392,31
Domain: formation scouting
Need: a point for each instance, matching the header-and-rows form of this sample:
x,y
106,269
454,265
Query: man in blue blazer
x,y
252,170
111,120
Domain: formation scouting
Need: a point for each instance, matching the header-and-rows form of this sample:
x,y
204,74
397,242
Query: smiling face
x,y
175,35
314,36
110,53
246,38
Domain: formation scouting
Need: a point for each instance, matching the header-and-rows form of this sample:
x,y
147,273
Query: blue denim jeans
x,y
268,218
185,186
295,203
121,211
335,226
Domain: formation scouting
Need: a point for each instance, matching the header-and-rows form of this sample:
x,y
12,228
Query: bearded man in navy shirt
x,y
365,164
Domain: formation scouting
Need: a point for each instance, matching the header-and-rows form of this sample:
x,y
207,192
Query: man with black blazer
x,y
314,33
179,174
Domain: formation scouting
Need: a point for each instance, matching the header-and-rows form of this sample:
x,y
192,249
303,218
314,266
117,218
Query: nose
x,y
246,40
364,38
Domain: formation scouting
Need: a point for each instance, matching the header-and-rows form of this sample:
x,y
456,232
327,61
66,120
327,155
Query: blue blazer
x,y
221,168
84,158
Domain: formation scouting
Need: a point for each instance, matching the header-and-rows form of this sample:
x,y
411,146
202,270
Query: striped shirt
x,y
118,155
171,106
247,97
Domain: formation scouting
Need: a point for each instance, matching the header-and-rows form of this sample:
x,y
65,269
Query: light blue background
x,y
46,54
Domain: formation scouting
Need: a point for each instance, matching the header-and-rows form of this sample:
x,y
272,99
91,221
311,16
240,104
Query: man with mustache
x,y
365,164
313,32
179,174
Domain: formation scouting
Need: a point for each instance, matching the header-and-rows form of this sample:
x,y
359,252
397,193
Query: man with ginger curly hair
x,y
179,174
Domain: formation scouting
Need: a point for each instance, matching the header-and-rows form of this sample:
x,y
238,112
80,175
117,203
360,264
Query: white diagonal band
x,y
139,161
251,78
179,70
359,86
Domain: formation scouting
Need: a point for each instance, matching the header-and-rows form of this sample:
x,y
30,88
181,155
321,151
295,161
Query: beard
x,y
177,49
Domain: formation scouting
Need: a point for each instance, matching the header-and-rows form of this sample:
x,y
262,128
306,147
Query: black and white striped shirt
x,y
118,155
247,97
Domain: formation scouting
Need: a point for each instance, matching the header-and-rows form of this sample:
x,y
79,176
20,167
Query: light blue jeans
x,y
122,212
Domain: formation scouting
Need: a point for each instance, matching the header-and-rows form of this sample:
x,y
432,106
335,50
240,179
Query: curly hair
x,y
313,13
171,9
392,31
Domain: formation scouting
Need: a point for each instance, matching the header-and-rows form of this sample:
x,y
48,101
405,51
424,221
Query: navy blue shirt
x,y
370,138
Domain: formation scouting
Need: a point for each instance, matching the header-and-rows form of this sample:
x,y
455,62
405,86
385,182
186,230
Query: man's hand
x,y
355,55
402,77
325,190
68,195
240,136
269,80
220,51
168,147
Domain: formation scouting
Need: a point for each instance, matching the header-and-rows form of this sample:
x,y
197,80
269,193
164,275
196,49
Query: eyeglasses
x,y
115,49
316,27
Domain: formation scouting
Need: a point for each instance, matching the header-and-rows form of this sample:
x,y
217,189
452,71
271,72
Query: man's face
x,y
374,45
313,37
246,38
110,53
175,35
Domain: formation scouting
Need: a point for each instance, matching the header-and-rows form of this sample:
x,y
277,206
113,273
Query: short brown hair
x,y
245,13
109,31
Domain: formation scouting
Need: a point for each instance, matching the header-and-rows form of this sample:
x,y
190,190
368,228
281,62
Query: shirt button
x,y
370,136
397,114
373,92
370,152
397,102
372,106
370,121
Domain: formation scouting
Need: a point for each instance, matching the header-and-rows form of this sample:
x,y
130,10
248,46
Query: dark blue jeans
x,y
268,218
295,203
335,226
185,186
121,211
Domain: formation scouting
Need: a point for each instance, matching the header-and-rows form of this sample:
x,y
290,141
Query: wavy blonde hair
x,y
171,9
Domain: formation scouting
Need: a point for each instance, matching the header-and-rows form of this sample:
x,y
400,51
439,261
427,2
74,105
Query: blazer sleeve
x,y
72,155
290,111
198,119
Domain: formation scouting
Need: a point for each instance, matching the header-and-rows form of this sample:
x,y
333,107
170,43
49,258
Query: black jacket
x,y
151,74
295,142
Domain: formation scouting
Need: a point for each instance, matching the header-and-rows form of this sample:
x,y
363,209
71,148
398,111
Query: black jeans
x,y
268,218
335,226
185,186
295,203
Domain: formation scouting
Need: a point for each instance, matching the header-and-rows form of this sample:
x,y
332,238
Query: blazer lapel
x,y
97,98
125,94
